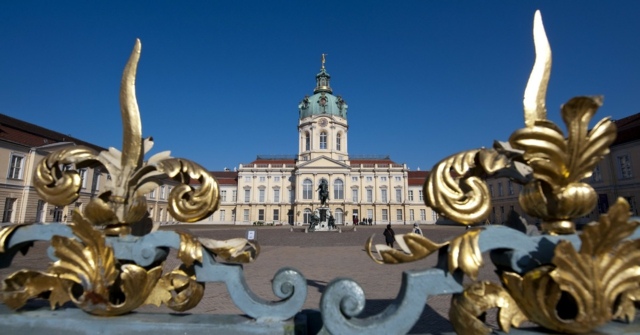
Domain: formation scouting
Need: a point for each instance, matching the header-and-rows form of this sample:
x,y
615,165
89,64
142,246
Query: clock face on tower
x,y
323,122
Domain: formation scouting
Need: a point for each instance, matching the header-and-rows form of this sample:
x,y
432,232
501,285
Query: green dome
x,y
323,102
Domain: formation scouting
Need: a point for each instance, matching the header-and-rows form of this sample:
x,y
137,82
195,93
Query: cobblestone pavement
x,y
320,257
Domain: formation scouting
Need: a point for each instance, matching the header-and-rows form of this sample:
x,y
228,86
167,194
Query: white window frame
x,y
247,195
307,189
16,166
83,177
9,210
369,195
223,195
338,189
410,195
383,195
261,195
354,194
323,140
624,166
398,195
399,214
223,215
423,214
385,215
245,215
276,195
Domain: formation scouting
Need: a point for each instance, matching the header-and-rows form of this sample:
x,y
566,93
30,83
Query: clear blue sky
x,y
219,81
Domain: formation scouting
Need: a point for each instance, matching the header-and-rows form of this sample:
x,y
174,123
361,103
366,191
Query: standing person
x,y
370,220
416,229
389,236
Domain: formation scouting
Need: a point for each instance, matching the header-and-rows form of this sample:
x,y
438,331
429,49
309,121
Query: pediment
x,y
323,162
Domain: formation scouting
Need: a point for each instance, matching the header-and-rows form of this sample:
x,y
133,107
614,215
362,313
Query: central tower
x,y
322,126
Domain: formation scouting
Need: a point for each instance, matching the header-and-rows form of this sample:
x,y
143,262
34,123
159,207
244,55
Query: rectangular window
x,y
247,195
276,215
234,195
423,214
97,175
398,195
354,195
499,189
596,176
163,193
624,163
434,215
7,214
383,193
385,215
247,179
632,205
398,178
16,167
276,195
261,195
354,178
263,179
383,178
420,195
410,195
245,215
491,190
411,216
292,195
276,179
223,215
399,214
338,190
369,178
152,194
83,177
223,196
260,214
510,187
603,203
370,213
369,195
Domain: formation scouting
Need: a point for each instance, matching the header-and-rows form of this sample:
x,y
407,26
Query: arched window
x,y
323,140
339,216
338,141
338,189
307,189
307,215
307,141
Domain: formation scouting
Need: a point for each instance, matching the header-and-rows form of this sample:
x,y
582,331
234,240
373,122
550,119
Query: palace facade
x,y
284,189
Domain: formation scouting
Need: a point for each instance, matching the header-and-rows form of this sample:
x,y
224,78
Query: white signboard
x,y
251,235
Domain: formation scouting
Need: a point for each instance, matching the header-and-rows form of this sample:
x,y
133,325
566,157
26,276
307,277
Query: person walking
x,y
416,229
389,236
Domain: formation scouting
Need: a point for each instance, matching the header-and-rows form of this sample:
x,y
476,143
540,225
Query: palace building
x,y
279,189
284,189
